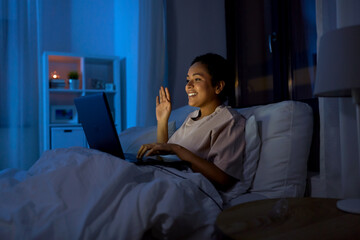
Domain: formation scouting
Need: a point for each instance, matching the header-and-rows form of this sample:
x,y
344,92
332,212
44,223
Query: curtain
x,y
339,157
152,69
19,84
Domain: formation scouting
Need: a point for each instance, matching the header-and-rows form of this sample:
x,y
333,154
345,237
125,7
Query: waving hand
x,y
163,105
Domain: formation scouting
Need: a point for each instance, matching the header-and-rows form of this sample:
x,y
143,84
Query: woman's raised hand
x,y
163,105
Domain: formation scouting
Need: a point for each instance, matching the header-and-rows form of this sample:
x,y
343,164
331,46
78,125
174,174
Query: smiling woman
x,y
200,90
212,138
207,82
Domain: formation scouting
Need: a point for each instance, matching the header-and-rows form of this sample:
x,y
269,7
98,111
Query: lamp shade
x,y
338,68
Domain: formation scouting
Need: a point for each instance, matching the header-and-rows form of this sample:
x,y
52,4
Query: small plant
x,y
73,75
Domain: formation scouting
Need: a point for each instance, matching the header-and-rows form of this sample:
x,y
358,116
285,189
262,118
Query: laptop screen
x,y
95,117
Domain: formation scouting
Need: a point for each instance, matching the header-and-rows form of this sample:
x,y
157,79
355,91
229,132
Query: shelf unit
x,y
60,126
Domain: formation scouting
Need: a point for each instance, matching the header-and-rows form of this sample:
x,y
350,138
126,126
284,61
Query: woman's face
x,y
201,92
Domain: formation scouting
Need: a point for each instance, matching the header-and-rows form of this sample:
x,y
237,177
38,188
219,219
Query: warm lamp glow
x,y
54,75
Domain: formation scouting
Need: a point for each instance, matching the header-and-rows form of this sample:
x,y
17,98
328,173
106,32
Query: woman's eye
x,y
187,80
197,79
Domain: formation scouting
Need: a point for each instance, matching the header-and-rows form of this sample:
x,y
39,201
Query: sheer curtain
x,y
19,86
339,161
152,69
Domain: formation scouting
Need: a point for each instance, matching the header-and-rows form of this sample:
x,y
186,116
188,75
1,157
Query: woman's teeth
x,y
192,94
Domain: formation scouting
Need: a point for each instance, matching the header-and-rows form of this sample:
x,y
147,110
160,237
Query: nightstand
x,y
305,218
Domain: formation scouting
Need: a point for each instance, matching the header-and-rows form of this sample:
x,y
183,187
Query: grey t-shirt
x,y
219,138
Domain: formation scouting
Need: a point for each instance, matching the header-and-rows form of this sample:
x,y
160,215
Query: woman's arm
x,y
217,176
163,110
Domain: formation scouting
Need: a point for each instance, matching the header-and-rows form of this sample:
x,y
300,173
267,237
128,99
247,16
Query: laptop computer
x,y
95,117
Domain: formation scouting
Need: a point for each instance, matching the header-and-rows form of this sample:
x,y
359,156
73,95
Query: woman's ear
x,y
219,86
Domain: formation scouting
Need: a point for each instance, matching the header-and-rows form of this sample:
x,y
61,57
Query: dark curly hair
x,y
219,70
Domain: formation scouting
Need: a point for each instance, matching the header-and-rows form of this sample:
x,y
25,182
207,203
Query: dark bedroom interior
x,y
291,172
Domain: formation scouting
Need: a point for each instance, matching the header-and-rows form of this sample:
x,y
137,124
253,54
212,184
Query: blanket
x,y
80,193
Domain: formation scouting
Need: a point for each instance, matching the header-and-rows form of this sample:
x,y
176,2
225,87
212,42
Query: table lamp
x,y
338,75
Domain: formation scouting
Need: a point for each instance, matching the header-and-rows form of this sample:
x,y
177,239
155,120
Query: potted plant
x,y
73,80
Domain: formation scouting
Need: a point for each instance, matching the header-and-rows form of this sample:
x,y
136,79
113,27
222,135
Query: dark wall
x,y
193,28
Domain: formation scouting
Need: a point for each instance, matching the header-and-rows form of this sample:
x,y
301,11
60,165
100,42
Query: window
x,y
272,47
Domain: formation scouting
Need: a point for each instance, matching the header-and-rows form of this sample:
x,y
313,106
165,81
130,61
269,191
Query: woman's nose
x,y
189,84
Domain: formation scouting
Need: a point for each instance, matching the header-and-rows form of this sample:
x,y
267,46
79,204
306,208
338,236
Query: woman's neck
x,y
206,111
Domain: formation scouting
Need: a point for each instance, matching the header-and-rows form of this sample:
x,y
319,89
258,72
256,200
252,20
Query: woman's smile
x,y
199,88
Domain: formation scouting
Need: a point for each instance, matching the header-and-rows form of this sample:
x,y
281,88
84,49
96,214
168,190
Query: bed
x,y
80,193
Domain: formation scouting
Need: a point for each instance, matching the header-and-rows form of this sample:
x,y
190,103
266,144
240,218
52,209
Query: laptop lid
x,y
95,117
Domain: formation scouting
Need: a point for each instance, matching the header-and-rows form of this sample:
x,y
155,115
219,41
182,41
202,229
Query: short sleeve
x,y
228,146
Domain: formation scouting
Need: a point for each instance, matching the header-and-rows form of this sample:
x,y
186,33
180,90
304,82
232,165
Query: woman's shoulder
x,y
231,113
225,116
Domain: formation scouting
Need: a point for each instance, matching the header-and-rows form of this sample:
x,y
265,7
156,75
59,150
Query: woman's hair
x,y
219,70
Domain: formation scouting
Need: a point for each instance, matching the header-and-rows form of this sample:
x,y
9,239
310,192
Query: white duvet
x,y
79,193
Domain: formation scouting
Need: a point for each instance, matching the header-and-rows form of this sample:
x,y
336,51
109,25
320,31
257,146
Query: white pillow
x,y
252,150
250,163
285,130
132,138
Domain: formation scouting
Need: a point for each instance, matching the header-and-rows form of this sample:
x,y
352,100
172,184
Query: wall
x,y
112,28
193,28
92,27
84,27
55,25
126,46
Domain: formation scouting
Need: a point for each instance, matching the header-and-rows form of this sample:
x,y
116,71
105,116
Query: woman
x,y
211,138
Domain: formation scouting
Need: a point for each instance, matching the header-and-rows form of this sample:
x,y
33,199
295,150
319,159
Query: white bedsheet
x,y
79,193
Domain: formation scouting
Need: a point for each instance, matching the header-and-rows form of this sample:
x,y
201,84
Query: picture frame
x,y
63,114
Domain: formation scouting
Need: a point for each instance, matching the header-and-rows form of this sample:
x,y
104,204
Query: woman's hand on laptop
x,y
155,149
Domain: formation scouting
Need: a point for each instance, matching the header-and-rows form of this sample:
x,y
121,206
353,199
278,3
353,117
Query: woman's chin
x,y
192,104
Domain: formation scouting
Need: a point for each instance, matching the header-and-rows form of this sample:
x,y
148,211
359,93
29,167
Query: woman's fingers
x,y
151,152
142,150
160,94
164,95
153,149
147,150
167,94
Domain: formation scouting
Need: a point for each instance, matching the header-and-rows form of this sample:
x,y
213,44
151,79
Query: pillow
x,y
251,159
252,150
132,138
285,130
